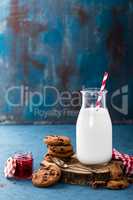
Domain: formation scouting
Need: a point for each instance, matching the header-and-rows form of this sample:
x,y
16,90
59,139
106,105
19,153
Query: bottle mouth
x,y
92,91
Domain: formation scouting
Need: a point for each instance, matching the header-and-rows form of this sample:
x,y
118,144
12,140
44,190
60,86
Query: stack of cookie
x,y
49,173
58,146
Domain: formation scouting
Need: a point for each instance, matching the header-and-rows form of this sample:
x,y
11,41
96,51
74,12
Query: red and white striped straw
x,y
98,103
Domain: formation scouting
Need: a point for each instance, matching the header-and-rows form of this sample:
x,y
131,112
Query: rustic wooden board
x,y
74,172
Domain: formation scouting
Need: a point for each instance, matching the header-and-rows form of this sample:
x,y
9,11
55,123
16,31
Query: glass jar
x,y
24,165
93,129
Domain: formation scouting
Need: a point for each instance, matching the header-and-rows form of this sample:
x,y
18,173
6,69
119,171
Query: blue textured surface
x,y
29,138
65,44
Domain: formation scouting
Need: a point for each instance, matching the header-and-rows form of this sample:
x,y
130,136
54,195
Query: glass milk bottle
x,y
93,130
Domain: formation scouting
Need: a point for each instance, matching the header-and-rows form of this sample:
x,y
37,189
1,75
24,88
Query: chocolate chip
x,y
61,140
52,172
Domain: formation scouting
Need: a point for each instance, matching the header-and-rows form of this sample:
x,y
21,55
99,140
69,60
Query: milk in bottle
x,y
93,130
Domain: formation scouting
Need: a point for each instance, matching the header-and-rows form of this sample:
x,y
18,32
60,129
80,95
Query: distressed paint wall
x,y
64,44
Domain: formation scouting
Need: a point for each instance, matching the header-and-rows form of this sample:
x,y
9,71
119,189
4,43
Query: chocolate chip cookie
x,y
57,140
47,175
117,184
60,149
60,155
116,171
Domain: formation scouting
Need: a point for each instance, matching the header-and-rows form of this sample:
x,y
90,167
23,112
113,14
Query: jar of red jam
x,y
24,165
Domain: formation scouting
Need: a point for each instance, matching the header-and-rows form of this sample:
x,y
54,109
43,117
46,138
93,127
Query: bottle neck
x,y
89,99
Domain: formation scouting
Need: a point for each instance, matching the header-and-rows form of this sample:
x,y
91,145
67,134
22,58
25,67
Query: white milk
x,y
94,136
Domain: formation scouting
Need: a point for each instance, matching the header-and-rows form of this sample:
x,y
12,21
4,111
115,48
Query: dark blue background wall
x,y
67,45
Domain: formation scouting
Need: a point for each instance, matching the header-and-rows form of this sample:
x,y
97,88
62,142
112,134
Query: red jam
x,y
24,165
